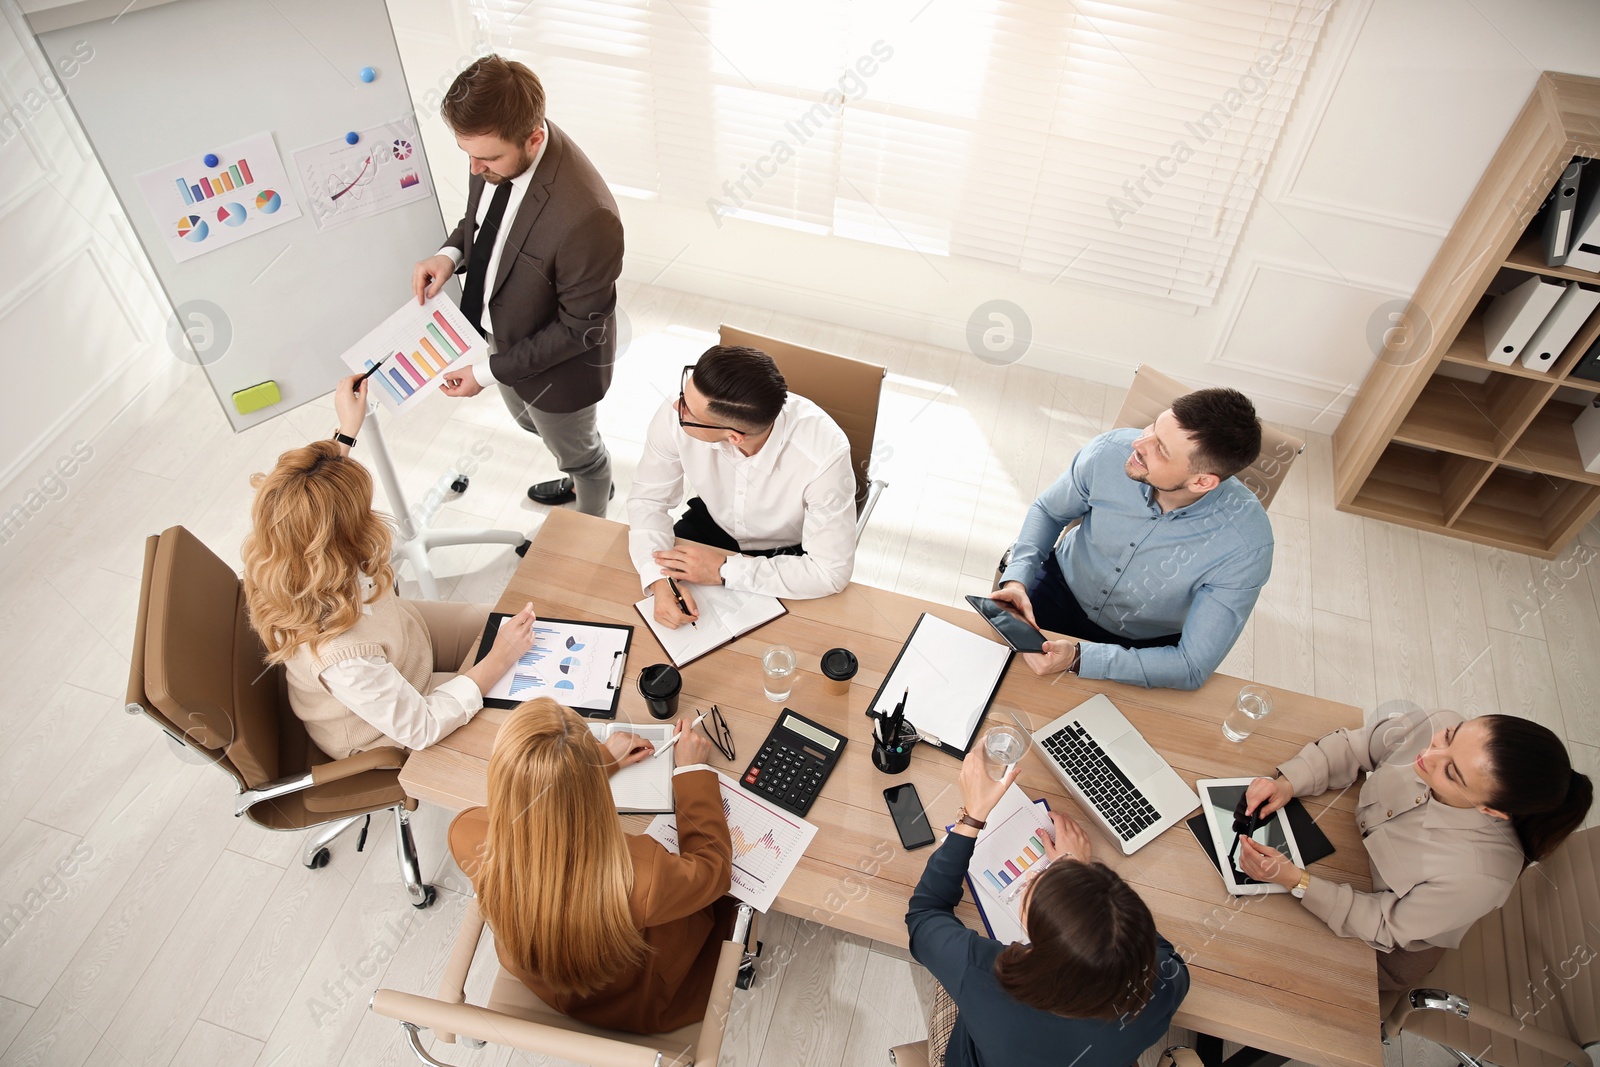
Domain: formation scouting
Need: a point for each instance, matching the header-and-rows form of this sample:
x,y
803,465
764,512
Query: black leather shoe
x,y
558,492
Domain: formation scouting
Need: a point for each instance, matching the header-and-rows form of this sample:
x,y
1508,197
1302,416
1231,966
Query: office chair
x,y
1152,393
514,1017
197,671
1522,990
847,389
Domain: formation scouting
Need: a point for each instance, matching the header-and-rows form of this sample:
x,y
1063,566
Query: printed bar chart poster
x,y
767,843
414,346
382,170
199,209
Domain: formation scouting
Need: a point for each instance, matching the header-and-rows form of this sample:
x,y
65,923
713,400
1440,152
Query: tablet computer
x,y
1221,799
1013,631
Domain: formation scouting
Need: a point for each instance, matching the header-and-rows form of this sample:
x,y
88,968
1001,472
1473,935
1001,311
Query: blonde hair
x,y
313,533
556,875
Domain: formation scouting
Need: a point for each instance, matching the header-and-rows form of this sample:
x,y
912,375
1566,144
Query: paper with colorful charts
x,y
199,208
413,347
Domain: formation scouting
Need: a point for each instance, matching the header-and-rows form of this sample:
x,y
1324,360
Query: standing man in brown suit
x,y
541,258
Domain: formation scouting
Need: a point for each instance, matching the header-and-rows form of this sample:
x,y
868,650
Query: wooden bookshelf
x,y
1445,440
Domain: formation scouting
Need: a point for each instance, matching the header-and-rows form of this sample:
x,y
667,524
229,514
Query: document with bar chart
x,y
580,664
767,843
199,209
413,347
1006,849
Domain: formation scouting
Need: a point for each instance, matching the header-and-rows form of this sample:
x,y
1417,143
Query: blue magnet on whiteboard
x,y
367,74
211,159
352,137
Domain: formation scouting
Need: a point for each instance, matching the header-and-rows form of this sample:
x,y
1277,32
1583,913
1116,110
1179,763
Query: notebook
x,y
645,786
724,615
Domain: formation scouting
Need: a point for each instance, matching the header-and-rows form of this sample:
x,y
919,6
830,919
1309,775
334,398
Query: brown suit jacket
x,y
553,300
674,905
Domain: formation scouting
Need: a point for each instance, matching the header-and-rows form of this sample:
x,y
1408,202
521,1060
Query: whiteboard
x,y
173,80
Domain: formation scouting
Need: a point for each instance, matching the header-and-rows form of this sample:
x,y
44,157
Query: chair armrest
x,y
524,1035
1425,999
875,489
709,1048
373,759
453,985
376,759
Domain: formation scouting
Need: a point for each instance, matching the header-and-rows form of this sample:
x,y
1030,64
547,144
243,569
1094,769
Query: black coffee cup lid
x,y
659,680
839,664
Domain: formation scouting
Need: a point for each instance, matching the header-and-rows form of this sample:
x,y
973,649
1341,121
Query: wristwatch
x,y
1077,657
963,817
1299,890
343,439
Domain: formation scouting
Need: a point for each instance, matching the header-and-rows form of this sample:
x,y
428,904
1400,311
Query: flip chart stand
x,y
415,539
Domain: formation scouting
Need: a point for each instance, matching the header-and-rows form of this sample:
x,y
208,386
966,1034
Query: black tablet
x,y
1013,630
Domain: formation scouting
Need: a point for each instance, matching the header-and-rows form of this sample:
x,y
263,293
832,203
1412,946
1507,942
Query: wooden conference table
x,y
1264,971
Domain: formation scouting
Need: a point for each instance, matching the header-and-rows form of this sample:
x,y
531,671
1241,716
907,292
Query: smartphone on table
x,y
910,821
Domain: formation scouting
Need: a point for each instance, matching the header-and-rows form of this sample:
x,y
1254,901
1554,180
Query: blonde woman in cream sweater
x,y
365,667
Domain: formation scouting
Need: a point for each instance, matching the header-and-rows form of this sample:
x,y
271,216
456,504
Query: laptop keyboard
x,y
1117,800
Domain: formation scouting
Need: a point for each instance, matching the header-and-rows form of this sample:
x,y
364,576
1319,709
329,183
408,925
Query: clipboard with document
x,y
951,675
580,664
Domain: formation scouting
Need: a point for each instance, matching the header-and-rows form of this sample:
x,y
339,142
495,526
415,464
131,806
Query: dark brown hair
x,y
1222,424
1532,781
742,386
494,95
1094,946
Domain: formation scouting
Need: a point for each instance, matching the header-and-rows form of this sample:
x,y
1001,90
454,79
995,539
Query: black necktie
x,y
482,249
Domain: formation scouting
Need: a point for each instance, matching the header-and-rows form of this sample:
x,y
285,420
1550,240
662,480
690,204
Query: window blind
x,y
1118,142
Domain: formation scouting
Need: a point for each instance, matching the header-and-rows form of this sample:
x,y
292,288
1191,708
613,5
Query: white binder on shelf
x,y
1584,250
1558,328
1587,430
1512,317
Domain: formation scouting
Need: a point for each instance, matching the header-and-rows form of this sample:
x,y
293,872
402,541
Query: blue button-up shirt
x,y
1142,572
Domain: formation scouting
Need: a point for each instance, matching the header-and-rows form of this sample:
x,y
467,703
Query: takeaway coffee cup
x,y
660,684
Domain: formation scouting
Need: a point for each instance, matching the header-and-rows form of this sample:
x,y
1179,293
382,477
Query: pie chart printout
x,y
193,228
231,214
268,201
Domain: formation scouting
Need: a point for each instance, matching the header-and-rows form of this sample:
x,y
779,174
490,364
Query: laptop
x,y
1113,772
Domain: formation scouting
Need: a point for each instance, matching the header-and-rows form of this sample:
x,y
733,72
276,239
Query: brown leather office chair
x,y
1523,989
198,671
847,389
1152,393
514,1017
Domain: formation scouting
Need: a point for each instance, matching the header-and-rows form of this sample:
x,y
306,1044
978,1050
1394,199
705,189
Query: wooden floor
x,y
143,924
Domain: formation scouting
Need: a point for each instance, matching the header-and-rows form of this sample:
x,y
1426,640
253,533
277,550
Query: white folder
x,y
1558,328
1512,317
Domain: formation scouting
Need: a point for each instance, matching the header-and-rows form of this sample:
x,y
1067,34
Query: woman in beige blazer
x,y
1451,811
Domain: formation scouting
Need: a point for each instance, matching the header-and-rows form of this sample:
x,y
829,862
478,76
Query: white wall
x,y
81,319
1403,105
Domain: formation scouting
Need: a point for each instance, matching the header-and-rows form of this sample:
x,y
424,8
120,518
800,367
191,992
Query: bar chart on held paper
x,y
1008,871
412,349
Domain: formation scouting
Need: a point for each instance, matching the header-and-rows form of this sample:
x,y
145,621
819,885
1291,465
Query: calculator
x,y
794,761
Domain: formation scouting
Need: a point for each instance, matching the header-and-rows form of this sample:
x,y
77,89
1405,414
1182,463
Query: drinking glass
x,y
777,672
1003,747
1253,705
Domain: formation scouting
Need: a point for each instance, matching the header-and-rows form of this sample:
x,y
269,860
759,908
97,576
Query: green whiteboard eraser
x,y
257,397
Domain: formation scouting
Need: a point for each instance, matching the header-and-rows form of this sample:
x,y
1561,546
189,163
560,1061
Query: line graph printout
x,y
767,843
381,171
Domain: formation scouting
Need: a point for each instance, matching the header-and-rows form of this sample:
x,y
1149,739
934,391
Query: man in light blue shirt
x,y
1157,579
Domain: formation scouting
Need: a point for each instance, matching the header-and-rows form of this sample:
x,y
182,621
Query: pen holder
x,y
893,758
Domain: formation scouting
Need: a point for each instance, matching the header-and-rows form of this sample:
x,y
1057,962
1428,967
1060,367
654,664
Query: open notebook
x,y
645,786
724,614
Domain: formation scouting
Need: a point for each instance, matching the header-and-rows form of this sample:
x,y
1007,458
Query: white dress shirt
x,y
519,188
799,489
374,689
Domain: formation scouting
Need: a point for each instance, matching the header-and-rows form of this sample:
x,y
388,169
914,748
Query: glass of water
x,y
777,672
1003,747
1247,712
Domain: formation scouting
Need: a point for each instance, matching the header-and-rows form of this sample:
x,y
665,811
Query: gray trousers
x,y
573,437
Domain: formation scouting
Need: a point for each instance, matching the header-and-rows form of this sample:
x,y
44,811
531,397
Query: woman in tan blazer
x,y
1451,812
607,927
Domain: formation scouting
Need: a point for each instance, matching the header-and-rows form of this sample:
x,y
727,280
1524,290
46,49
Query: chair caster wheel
x,y
459,485
429,895
320,860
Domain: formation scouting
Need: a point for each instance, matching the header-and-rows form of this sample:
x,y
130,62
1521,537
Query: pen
x,y
682,606
698,720
356,386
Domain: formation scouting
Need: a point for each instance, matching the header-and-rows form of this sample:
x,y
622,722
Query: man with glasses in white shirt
x,y
774,510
